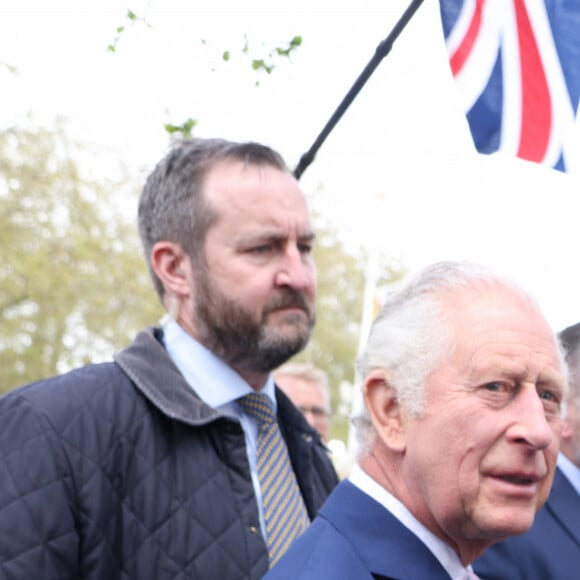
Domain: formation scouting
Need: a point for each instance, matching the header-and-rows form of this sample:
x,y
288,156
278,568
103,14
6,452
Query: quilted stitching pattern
x,y
98,482
129,480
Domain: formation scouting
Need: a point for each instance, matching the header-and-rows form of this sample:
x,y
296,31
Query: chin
x,y
511,526
294,331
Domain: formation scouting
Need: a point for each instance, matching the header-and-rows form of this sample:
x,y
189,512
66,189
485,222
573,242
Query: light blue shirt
x,y
218,385
446,555
570,470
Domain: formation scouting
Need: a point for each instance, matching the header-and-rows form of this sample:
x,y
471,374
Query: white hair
x,y
412,333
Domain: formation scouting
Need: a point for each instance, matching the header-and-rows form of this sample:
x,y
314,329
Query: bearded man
x,y
160,464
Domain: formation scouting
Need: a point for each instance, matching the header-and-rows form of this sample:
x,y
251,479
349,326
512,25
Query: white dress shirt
x,y
446,555
217,385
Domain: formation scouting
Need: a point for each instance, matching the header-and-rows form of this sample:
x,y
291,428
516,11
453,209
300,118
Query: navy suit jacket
x,y
354,537
550,550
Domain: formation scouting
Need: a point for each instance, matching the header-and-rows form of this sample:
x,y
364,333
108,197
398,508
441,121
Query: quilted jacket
x,y
119,471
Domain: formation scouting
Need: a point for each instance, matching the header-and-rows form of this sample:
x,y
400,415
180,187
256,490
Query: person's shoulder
x,y
71,383
309,557
60,397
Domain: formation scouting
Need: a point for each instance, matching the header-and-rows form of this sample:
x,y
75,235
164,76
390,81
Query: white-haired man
x,y
551,548
463,384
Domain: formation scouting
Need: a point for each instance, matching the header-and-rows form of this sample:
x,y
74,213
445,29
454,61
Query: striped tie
x,y
285,514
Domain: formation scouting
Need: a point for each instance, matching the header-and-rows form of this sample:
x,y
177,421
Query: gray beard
x,y
232,334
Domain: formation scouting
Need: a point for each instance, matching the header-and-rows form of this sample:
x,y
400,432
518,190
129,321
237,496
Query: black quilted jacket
x,y
119,471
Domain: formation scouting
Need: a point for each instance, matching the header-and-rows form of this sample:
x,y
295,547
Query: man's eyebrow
x,y
552,379
277,236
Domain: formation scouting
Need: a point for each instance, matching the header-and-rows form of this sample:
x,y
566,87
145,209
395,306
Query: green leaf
x,y
185,129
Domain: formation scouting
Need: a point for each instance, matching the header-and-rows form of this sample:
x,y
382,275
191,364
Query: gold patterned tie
x,y
285,514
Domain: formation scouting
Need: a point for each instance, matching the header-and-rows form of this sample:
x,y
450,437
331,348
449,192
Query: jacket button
x,y
253,530
307,437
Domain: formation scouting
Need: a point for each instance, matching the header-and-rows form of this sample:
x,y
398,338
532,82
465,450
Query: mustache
x,y
289,298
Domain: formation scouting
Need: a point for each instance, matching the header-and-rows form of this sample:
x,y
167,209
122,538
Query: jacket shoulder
x,y
308,557
59,399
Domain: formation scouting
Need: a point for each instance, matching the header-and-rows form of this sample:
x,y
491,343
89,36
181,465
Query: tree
x,y
73,286
263,60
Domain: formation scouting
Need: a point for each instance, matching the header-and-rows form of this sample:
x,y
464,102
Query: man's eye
x,y
263,249
548,396
495,387
552,402
305,248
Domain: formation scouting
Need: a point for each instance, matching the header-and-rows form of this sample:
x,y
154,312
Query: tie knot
x,y
258,406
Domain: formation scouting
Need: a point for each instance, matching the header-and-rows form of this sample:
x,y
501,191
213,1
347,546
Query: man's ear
x,y
567,430
387,416
172,266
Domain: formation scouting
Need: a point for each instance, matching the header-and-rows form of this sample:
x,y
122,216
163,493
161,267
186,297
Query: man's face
x,y
310,399
573,425
254,296
570,444
480,460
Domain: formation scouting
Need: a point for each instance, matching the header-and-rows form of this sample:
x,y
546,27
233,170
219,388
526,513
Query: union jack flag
x,y
517,66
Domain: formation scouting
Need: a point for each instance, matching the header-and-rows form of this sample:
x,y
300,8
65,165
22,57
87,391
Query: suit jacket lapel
x,y
387,547
564,504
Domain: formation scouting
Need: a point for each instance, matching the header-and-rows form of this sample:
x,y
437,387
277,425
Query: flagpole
x,y
367,316
380,53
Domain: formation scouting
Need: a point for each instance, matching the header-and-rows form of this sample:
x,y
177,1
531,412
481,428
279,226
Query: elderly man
x,y
307,387
463,385
551,549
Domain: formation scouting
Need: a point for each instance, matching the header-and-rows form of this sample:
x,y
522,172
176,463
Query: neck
x,y
384,470
254,379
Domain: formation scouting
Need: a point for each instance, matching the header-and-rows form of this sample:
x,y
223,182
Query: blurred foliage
x,y
183,131
130,20
266,62
73,285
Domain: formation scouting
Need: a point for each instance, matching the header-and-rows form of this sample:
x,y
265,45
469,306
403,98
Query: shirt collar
x,y
216,383
570,470
446,555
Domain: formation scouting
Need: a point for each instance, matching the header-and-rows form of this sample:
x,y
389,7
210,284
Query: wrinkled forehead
x,y
236,185
481,300
497,315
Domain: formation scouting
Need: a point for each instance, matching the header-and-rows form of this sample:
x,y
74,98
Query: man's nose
x,y
531,425
295,270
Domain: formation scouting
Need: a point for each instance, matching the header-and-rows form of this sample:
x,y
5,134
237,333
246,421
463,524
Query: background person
x,y
463,384
551,549
149,467
307,387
